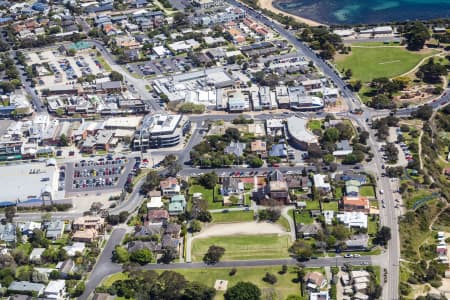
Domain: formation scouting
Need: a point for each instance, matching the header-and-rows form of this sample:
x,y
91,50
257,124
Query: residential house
x,y
352,188
168,241
75,248
353,219
297,182
177,205
360,204
235,148
8,233
65,268
277,188
26,287
323,295
362,179
343,148
231,186
169,186
155,203
173,230
259,148
27,228
138,245
55,290
89,222
357,242
36,255
315,281
148,230
157,216
87,235
308,231
321,184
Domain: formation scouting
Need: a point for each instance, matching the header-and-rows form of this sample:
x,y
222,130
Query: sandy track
x,y
249,228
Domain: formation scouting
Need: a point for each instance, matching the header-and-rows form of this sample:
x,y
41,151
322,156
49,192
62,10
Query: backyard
x,y
240,247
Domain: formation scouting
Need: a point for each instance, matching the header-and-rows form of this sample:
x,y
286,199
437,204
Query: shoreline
x,y
268,4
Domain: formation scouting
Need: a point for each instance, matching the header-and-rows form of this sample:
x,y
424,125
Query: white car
x,y
356,255
348,255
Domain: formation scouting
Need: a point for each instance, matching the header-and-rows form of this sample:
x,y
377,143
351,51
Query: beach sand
x,y
267,4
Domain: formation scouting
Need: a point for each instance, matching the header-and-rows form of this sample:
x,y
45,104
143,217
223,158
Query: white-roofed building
x,y
353,219
320,184
299,135
55,290
155,203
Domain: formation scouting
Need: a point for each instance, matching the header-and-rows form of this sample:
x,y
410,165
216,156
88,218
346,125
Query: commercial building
x,y
298,134
160,130
24,182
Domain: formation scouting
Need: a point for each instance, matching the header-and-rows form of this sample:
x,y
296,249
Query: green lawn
x,y
332,205
367,191
207,195
303,217
232,216
315,124
311,204
372,226
338,192
369,63
240,247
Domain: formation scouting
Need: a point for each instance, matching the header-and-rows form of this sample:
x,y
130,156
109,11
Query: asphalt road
x,y
104,266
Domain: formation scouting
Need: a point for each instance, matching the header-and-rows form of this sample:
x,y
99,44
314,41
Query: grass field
x,y
239,247
303,217
232,216
286,283
369,63
285,223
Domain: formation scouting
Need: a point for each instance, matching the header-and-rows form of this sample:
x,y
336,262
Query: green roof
x,y
176,207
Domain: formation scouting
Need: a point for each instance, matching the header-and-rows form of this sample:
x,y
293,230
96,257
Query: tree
x,y
416,35
141,256
432,72
424,112
213,255
331,135
115,76
196,226
301,250
381,101
151,181
168,255
169,285
348,73
270,278
10,212
120,255
198,291
243,291
123,216
340,232
208,180
383,235
204,216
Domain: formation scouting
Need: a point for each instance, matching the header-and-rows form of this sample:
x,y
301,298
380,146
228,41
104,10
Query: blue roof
x,y
33,200
278,150
5,20
39,6
7,203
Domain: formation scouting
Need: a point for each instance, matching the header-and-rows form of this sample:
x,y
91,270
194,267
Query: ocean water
x,y
366,11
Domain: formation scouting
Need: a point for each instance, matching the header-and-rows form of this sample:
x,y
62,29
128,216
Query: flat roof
x,y
298,130
123,122
24,181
